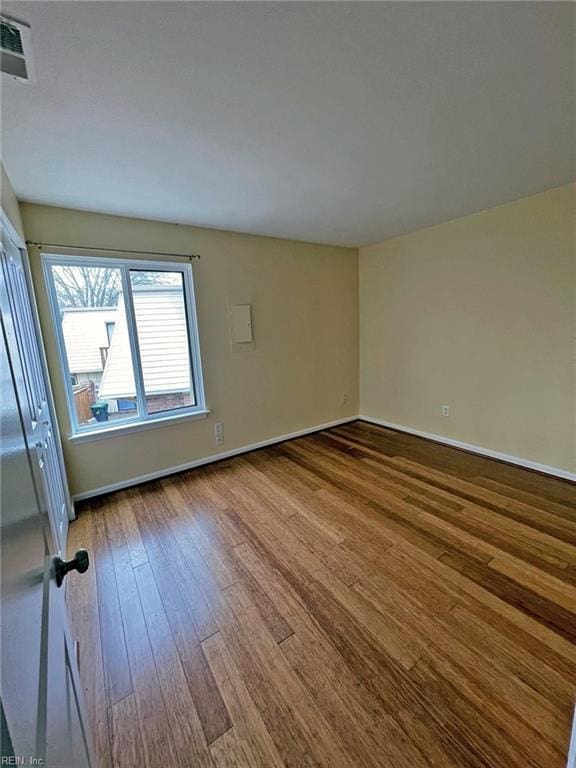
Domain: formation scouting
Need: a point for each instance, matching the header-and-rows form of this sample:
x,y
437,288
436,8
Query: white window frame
x,y
141,420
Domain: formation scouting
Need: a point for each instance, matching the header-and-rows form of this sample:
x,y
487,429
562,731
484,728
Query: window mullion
x,y
133,338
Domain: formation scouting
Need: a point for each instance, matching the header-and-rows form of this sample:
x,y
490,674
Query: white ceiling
x,y
330,122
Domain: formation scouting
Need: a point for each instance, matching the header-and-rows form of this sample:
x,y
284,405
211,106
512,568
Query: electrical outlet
x,y
345,398
445,410
219,433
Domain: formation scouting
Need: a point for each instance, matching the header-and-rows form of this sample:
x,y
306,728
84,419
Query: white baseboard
x,y
572,748
561,473
206,460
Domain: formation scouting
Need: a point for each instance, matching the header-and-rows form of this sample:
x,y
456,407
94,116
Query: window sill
x,y
138,426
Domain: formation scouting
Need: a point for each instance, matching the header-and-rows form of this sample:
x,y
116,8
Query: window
x,y
127,338
109,331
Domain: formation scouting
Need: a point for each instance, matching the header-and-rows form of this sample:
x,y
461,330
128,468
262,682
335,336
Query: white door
x,y
38,419
43,714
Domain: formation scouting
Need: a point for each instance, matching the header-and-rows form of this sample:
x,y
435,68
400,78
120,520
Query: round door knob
x,y
79,562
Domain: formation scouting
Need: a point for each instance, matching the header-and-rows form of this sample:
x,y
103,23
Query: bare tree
x,y
86,286
98,286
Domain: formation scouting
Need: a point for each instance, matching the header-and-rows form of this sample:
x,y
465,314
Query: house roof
x,y
84,333
163,343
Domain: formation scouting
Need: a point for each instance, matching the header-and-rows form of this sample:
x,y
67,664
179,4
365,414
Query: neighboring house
x,y
99,354
87,335
163,344
88,332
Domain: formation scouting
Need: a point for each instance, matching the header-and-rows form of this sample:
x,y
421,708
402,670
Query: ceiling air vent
x,y
16,50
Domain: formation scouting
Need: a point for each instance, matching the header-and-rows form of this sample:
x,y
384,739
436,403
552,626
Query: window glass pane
x,y
162,328
93,318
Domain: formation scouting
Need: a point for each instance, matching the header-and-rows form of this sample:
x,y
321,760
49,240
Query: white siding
x,y
84,334
163,341
118,378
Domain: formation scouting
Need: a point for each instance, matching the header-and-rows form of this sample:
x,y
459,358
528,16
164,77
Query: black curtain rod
x,y
189,256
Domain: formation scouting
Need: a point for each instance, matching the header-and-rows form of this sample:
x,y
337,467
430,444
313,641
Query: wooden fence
x,y
83,399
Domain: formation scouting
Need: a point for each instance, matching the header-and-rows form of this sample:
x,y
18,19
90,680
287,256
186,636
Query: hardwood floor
x,y
358,597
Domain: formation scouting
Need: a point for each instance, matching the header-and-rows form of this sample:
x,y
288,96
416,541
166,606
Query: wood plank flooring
x,y
358,597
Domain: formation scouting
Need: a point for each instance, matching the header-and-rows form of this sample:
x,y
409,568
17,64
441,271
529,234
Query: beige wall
x,y
10,204
304,358
478,313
